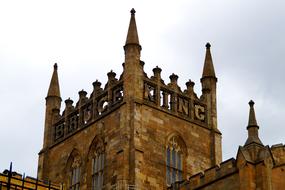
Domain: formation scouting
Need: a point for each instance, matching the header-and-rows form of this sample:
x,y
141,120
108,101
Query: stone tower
x,y
136,132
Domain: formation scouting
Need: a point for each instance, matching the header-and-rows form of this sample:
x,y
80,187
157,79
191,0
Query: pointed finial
x,y
173,78
55,66
208,45
96,84
208,70
111,75
251,119
156,70
252,126
133,11
82,94
132,36
190,84
54,84
251,103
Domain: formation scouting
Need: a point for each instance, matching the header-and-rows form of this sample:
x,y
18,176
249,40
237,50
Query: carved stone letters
x,y
183,106
200,112
102,104
149,92
89,111
87,114
175,102
59,131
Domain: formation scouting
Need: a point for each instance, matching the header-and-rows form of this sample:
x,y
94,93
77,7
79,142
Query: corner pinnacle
x,y
252,127
208,70
132,37
54,84
251,119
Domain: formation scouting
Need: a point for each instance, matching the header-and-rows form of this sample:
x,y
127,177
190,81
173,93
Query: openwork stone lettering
x,y
183,106
102,104
87,114
165,99
174,101
73,121
59,131
118,94
99,103
149,92
200,112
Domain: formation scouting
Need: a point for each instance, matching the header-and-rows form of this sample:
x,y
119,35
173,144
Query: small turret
x,y
132,37
53,101
208,70
254,159
53,90
252,127
133,66
96,88
68,106
190,88
173,82
209,78
157,73
132,46
209,82
82,97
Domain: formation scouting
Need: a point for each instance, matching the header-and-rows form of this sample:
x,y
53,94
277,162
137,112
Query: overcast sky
x,y
86,39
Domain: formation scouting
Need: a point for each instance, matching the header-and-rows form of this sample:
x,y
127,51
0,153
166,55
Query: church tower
x,y
136,132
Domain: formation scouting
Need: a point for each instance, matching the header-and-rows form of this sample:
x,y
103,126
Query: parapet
x,y
165,97
171,99
87,110
278,153
215,173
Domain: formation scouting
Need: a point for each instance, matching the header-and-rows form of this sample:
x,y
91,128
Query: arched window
x,y
174,160
96,164
98,170
75,174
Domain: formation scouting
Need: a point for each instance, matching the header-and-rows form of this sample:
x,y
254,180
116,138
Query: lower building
x,y
256,167
10,180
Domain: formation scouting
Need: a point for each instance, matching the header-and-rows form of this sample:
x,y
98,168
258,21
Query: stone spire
x,y
132,37
53,104
252,127
209,96
208,70
133,67
53,90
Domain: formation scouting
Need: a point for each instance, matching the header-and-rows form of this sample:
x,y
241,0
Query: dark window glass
x,y
98,171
